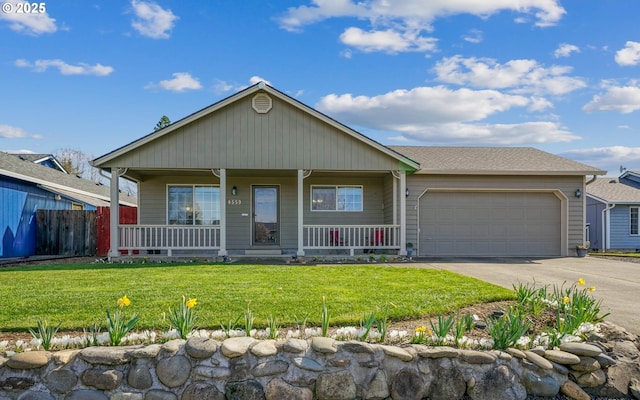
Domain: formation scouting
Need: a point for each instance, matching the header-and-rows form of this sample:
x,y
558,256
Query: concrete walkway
x,y
617,282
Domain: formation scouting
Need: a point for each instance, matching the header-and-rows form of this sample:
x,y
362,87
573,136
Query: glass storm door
x,y
266,227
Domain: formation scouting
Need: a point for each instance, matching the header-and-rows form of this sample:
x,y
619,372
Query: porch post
x,y
395,200
403,214
300,251
114,214
223,212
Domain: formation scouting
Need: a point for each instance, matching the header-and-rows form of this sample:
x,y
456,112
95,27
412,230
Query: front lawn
x,y
78,295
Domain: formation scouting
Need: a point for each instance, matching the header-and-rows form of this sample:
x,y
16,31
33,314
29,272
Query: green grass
x,y
614,254
77,295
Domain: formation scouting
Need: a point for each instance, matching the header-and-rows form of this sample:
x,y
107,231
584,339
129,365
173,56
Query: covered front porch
x,y
260,213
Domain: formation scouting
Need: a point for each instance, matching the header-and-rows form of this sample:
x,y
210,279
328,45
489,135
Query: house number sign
x,y
234,202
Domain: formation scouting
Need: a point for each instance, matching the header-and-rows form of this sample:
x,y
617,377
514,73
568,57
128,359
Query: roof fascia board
x,y
38,181
599,199
502,172
54,160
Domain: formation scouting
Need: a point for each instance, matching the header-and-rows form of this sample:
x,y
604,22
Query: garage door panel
x,y
490,224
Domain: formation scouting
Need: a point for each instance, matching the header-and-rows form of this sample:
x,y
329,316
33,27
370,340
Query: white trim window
x,y
193,205
634,228
336,198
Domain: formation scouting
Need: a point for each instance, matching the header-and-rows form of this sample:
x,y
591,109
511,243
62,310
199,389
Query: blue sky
x,y
561,76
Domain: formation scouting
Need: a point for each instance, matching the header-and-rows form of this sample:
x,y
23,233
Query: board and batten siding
x,y
619,227
153,204
236,137
418,183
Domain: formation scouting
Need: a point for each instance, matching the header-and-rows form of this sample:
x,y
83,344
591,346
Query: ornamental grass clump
x,y
181,318
117,324
45,333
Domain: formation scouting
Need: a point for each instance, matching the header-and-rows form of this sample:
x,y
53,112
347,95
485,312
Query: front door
x,y
266,226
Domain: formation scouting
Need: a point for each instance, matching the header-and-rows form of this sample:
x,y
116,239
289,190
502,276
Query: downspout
x,y
591,180
605,227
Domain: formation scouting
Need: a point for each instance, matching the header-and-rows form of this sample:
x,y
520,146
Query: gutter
x,y
605,227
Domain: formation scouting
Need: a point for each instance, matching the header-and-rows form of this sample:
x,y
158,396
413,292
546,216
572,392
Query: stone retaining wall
x,y
320,368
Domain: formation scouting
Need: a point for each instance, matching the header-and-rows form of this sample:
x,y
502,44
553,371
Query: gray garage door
x,y
489,224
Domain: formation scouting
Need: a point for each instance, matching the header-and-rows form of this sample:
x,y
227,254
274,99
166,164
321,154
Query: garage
x,y
484,223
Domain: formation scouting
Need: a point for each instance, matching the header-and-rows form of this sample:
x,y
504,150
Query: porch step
x,y
263,252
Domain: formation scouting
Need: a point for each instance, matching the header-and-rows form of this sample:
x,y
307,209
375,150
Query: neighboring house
x,y
48,160
28,184
613,205
261,173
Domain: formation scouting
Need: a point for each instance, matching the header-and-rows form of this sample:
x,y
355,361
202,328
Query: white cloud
x,y
519,76
398,26
418,14
181,81
64,68
630,55
607,158
474,36
152,20
438,115
623,99
12,132
565,50
33,24
257,79
389,41
526,133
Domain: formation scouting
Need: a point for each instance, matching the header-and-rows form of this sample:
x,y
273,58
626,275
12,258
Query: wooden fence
x,y
66,232
128,215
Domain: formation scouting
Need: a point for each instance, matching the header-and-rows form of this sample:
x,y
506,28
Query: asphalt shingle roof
x,y
615,190
493,160
9,163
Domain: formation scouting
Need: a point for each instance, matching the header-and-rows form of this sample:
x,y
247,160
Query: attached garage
x,y
490,223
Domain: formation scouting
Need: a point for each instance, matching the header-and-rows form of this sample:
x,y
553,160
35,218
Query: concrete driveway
x,y
617,282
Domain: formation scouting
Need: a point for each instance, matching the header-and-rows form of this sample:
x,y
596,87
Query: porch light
x,y
234,191
406,193
578,193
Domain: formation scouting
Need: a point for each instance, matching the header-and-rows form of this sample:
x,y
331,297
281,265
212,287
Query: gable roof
x,y
40,159
59,182
493,161
102,161
614,190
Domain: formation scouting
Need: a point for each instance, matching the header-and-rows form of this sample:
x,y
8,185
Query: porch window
x,y
336,198
193,205
633,219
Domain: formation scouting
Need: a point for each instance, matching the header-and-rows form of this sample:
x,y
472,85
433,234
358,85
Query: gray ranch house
x,y
613,209
260,173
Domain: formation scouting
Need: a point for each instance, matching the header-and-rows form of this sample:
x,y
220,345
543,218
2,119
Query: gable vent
x,y
261,103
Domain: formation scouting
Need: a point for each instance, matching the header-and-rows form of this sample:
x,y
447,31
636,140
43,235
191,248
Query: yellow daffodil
x,y
421,329
581,282
592,289
191,303
429,332
124,301
566,300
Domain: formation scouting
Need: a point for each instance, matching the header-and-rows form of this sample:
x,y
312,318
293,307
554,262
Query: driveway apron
x,y
617,282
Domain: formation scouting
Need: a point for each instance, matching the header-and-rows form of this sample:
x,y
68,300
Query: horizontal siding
x,y
619,228
236,137
417,184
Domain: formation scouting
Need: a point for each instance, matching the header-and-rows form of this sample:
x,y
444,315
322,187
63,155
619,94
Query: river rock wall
x,y
324,369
